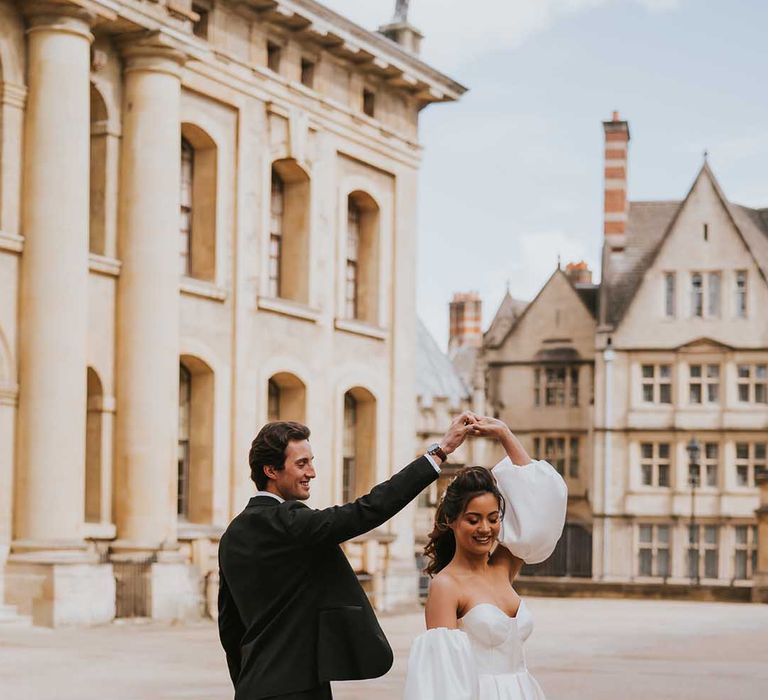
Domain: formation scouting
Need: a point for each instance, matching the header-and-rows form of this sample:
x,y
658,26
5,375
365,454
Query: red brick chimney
x,y
579,273
466,315
616,203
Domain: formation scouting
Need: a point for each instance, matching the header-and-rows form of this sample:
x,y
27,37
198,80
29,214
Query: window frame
x,y
654,545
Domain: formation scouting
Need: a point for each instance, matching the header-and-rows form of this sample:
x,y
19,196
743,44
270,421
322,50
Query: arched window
x,y
358,469
196,446
93,449
288,274
97,232
185,410
197,204
361,280
185,202
286,398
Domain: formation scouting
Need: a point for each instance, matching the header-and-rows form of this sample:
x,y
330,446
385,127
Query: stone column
x,y
49,557
760,577
148,316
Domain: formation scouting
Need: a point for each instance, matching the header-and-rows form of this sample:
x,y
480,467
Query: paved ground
x,y
580,650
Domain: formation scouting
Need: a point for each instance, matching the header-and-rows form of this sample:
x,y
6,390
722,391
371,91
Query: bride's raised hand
x,y
486,426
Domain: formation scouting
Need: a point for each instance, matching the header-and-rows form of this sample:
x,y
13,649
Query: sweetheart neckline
x,y
509,617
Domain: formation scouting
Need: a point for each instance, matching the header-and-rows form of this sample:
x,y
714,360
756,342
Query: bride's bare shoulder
x,y
442,601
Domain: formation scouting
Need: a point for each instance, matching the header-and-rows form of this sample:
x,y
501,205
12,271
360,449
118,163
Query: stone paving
x,y
581,649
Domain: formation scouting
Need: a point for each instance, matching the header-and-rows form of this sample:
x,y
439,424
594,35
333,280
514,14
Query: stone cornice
x,y
152,50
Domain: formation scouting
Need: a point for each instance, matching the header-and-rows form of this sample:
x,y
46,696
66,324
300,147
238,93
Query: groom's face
x,y
293,481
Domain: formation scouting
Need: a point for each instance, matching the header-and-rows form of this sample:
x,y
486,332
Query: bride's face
x,y
477,528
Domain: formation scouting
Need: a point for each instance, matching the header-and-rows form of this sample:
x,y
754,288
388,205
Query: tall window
x,y
273,401
752,383
703,383
561,452
351,280
710,464
741,294
276,210
558,386
369,102
750,457
653,550
697,295
307,72
745,556
713,294
655,464
185,410
703,543
349,448
200,27
657,383
185,213
274,55
669,294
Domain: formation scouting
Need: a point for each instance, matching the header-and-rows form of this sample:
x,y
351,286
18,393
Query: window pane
x,y
742,475
665,371
665,393
645,533
695,370
711,450
647,474
713,393
710,534
761,371
646,449
648,393
693,533
664,475
713,303
741,534
710,563
743,371
740,564
760,393
711,475
645,559
693,562
759,451
713,371
744,392
662,563
663,450
742,450
662,534
695,393
648,371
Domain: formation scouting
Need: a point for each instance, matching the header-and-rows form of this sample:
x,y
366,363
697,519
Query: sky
x,y
512,173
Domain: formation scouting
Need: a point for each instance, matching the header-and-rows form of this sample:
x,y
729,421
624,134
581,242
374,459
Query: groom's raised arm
x,y
340,523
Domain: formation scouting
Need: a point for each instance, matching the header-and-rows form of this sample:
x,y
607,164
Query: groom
x,y
292,615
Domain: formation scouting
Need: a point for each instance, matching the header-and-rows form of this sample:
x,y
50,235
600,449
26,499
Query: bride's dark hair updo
x,y
468,483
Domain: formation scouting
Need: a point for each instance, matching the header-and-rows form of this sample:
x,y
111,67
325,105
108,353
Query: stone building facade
x,y
202,205
672,345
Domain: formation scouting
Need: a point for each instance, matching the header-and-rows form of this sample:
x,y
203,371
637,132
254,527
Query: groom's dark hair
x,y
268,448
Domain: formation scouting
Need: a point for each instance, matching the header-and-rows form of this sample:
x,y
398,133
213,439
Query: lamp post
x,y
694,472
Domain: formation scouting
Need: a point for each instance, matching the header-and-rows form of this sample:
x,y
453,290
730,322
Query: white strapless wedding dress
x,y
484,659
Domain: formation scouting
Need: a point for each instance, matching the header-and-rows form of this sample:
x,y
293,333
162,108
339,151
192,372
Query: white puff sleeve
x,y
441,667
536,500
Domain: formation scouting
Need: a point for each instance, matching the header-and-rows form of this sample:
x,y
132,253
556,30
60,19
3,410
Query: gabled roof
x,y
649,225
508,312
436,377
587,293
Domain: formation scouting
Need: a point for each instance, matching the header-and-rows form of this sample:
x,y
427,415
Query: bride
x,y
476,622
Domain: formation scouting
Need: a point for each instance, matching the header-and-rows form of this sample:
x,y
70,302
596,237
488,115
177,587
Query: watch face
x,y
433,448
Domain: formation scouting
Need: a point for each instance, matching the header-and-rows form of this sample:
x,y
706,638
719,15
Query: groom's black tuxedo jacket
x,y
292,614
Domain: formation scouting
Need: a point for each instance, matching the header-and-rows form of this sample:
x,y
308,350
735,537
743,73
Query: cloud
x,y
455,30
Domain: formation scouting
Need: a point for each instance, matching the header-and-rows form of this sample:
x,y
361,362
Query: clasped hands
x,y
471,424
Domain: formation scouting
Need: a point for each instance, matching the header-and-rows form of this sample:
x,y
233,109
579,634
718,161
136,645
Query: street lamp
x,y
694,471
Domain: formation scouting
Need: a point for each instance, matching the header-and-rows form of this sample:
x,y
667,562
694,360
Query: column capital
x,y
59,16
152,51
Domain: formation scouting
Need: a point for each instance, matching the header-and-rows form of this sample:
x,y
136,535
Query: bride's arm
x,y
442,603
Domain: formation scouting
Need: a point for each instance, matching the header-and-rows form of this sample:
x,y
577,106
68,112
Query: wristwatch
x,y
435,449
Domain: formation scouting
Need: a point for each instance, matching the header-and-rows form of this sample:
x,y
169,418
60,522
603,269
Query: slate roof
x,y
436,377
649,224
507,314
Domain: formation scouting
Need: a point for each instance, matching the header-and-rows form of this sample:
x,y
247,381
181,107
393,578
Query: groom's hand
x,y
485,426
457,431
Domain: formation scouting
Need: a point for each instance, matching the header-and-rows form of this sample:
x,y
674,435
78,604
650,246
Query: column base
x,y
399,586
176,592
60,589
